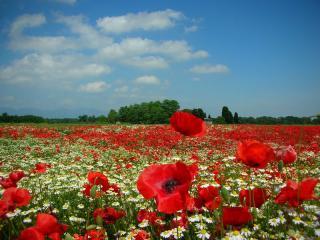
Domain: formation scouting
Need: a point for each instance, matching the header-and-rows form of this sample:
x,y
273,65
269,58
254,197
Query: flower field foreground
x,y
160,182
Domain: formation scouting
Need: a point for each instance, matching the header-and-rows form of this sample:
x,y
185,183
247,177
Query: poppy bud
x,y
99,221
225,194
280,166
92,226
93,191
68,237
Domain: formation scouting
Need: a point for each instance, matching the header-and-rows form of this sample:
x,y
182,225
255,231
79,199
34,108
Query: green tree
x,y
83,118
101,119
113,116
236,118
227,115
218,120
187,110
198,112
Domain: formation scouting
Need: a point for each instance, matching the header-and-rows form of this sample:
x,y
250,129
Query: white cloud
x,y
192,28
42,68
70,2
94,87
42,44
147,80
149,62
89,36
122,89
129,47
206,69
139,21
26,21
85,36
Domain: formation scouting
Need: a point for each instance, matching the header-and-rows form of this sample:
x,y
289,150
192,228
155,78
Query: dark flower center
x,y
170,185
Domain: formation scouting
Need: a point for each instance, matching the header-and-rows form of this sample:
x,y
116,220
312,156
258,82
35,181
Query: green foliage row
x,y
227,117
147,112
6,118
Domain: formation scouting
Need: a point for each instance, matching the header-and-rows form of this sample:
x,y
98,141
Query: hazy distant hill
x,y
55,113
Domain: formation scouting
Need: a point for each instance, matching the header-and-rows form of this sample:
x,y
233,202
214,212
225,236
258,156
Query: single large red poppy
x,y
188,124
31,233
12,179
15,176
286,154
109,214
7,182
168,184
16,197
236,216
295,193
208,197
96,179
46,225
254,153
253,198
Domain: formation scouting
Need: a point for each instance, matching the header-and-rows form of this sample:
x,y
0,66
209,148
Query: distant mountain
x,y
52,113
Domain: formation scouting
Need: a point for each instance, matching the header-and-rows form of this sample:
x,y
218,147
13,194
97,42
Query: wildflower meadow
x,y
186,180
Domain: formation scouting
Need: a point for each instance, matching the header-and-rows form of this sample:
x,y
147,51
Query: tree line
x,y
228,118
159,112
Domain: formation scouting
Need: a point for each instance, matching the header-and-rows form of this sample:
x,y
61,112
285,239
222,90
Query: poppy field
x,y
187,180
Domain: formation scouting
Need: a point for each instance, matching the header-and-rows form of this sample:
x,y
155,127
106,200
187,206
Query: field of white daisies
x,y
152,182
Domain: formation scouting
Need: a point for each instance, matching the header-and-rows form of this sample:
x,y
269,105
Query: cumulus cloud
x,y
147,80
207,69
192,28
42,44
94,87
88,36
140,21
48,44
41,68
26,21
178,50
149,62
122,89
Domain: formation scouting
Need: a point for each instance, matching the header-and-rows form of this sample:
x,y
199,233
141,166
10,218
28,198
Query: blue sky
x,y
70,57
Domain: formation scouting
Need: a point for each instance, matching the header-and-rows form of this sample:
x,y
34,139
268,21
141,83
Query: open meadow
x,y
95,182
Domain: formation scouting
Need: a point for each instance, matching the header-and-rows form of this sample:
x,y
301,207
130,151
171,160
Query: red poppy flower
x,y
180,221
4,208
7,183
16,176
146,215
188,124
78,237
109,214
31,233
46,223
98,179
254,154
168,184
41,167
16,197
142,235
95,235
209,197
253,198
295,193
236,216
286,154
